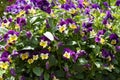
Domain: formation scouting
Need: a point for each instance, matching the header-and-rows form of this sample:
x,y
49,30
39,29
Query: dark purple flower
x,y
80,3
104,21
87,26
22,78
69,21
5,54
43,5
113,36
12,72
10,19
47,24
28,34
21,21
97,39
81,53
117,48
105,53
117,3
95,6
106,4
87,10
101,32
47,65
108,15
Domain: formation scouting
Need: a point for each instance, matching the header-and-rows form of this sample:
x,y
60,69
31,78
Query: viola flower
x,y
12,39
108,15
68,53
12,72
117,3
102,41
43,5
44,54
24,56
71,23
107,54
22,12
30,61
87,26
44,42
81,53
29,34
96,6
117,48
62,28
35,57
21,21
114,38
106,4
4,65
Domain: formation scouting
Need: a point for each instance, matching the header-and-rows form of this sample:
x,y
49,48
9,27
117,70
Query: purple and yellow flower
x,y
114,38
107,54
87,26
68,53
44,42
44,54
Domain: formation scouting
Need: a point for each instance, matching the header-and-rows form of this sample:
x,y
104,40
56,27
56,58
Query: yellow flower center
x,y
35,57
113,42
30,61
21,13
44,56
62,28
73,26
72,11
32,11
12,38
4,65
102,41
82,34
66,55
24,56
43,43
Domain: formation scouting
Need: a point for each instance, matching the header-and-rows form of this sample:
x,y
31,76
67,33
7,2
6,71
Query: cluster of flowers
x,y
59,40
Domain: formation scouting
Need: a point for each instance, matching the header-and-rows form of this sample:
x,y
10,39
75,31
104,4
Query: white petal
x,y
49,35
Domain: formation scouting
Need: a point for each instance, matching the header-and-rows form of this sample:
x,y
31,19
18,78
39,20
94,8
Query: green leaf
x,y
46,76
38,71
53,60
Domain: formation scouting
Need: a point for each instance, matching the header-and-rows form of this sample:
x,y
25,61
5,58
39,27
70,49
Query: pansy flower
x,y
11,36
114,38
44,42
71,23
68,53
62,26
44,54
24,55
87,26
30,61
117,3
107,54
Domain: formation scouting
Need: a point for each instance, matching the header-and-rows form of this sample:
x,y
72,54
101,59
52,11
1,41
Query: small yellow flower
x,y
24,56
35,57
62,28
43,43
113,42
21,13
73,26
66,55
72,11
102,41
30,61
4,65
44,56
5,24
